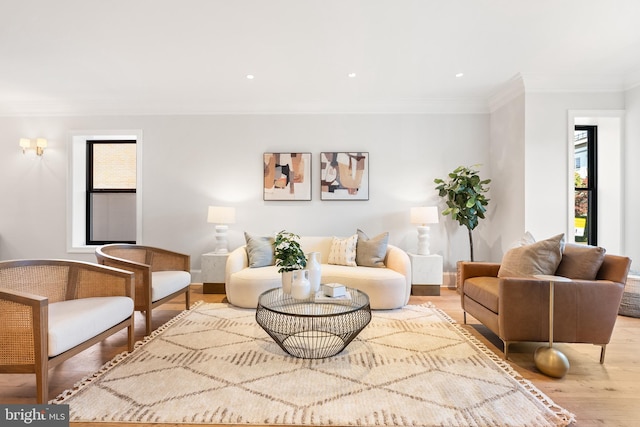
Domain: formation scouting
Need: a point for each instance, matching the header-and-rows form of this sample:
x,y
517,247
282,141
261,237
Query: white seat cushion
x,y
167,282
73,322
386,288
247,284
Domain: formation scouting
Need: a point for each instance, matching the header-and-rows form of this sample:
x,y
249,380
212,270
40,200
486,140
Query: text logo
x,y
34,415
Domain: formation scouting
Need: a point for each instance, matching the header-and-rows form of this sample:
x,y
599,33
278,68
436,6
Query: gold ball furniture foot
x,y
551,362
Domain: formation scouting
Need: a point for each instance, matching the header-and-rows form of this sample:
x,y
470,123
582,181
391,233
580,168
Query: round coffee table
x,y
310,329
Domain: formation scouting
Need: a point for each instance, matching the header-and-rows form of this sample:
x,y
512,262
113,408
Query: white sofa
x,y
387,287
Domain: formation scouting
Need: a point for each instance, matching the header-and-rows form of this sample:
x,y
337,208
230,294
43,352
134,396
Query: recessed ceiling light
x,y
351,75
250,76
458,75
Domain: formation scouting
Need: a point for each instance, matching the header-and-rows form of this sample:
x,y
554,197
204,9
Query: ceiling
x,y
192,56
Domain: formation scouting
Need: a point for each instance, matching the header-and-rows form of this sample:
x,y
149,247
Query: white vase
x,y
300,286
315,273
287,277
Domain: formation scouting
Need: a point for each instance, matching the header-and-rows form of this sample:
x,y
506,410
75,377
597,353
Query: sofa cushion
x,y
343,251
483,290
259,250
371,252
262,278
75,321
541,257
580,262
165,283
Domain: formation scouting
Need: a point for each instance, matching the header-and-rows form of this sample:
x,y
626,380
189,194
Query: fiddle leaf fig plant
x,y
464,193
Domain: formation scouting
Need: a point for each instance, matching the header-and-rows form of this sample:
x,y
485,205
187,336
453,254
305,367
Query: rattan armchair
x,y
160,274
51,310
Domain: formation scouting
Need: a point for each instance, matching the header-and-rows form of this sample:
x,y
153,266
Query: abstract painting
x,y
344,176
287,176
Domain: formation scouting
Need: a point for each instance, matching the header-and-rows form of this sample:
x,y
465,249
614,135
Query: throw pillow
x,y
371,252
343,251
581,262
541,257
259,250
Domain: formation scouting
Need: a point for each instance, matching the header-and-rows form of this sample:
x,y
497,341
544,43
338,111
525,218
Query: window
x,y
585,184
78,207
111,192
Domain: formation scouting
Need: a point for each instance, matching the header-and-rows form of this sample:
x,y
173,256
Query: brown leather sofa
x,y
517,309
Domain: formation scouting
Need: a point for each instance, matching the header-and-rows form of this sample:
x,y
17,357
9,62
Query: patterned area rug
x,y
409,367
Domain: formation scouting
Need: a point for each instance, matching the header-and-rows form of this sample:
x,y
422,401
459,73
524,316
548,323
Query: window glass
x,y
111,192
114,166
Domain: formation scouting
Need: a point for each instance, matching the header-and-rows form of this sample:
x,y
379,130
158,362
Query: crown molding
x,y
462,105
633,80
506,93
558,82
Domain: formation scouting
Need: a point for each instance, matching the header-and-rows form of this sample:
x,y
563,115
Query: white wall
x,y
507,167
191,162
632,176
546,155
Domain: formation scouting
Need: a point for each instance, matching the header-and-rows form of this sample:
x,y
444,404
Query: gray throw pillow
x,y
371,252
581,262
259,250
541,257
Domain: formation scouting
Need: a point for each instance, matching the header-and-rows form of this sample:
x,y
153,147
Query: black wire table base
x,y
311,330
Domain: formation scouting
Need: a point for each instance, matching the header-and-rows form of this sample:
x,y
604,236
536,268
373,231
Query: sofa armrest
x,y
614,268
24,327
467,270
237,260
398,260
142,273
478,269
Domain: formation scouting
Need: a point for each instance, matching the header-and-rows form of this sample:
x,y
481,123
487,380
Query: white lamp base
x,y
221,239
423,240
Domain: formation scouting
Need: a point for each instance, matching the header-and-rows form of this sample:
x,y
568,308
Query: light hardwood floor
x,y
599,395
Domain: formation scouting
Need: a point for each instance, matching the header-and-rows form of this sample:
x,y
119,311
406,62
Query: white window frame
x,y
611,137
77,180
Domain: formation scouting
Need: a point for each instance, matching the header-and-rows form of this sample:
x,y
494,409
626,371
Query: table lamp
x,y
221,216
424,215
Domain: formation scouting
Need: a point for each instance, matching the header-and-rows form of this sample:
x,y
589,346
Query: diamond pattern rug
x,y
409,367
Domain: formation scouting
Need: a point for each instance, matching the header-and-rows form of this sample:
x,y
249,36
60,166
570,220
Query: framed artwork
x,y
344,176
287,176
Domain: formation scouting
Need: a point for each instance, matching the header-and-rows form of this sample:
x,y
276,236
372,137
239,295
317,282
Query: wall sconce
x,y
221,216
39,144
423,216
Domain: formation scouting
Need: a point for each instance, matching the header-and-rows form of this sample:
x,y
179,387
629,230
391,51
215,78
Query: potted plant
x,y
289,256
464,194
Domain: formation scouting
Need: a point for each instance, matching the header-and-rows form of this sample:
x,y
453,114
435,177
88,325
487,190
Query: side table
x,y
549,360
213,269
426,274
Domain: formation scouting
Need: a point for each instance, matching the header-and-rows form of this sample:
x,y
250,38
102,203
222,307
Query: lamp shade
x,y
41,143
221,215
424,215
25,143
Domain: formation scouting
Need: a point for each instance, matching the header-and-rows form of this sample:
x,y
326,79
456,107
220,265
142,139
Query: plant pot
x,y
287,278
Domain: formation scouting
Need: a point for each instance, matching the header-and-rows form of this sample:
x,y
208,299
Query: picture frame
x,y
344,175
286,176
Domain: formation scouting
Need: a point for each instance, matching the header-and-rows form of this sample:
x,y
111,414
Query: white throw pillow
x,y
343,251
